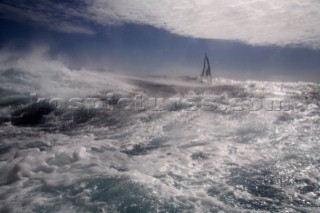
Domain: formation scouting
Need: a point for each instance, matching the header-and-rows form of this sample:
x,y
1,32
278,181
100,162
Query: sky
x,y
244,39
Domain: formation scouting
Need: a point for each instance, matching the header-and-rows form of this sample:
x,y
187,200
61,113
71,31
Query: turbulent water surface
x,y
156,144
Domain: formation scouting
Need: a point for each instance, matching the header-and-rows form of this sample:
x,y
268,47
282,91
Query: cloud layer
x,y
256,22
278,22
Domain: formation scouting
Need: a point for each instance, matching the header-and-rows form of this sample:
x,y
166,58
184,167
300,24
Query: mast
x,y
204,65
206,71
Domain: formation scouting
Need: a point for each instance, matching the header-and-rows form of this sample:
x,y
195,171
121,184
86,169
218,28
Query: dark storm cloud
x,y
64,16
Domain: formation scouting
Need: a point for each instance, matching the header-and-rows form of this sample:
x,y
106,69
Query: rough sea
x,y
86,141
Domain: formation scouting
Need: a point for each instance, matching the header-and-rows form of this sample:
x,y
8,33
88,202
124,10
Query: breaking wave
x,y
241,151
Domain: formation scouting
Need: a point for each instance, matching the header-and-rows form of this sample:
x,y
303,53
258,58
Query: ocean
x,y
86,141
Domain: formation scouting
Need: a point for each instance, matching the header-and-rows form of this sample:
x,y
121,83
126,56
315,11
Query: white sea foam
x,y
176,160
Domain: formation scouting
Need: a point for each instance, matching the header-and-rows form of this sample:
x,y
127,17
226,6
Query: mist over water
x,y
251,146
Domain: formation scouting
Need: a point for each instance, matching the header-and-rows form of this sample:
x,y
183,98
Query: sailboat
x,y
206,72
